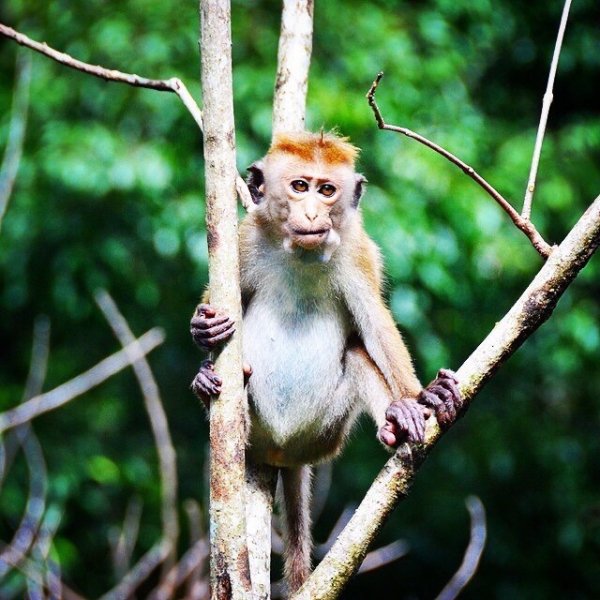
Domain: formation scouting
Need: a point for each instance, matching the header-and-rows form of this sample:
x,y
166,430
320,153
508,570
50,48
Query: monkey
x,y
320,342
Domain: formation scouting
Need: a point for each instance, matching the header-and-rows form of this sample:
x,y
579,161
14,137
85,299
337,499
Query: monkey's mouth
x,y
310,239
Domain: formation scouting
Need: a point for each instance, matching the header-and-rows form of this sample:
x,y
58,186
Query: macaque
x,y
321,345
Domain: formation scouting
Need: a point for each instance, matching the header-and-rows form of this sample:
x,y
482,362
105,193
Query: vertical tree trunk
x,y
229,558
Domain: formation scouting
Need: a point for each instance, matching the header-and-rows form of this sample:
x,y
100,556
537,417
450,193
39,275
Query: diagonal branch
x,y
393,483
524,224
82,383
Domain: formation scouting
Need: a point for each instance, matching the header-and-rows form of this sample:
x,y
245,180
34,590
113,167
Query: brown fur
x,y
326,147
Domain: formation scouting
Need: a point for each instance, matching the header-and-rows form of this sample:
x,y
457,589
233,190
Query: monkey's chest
x,y
297,365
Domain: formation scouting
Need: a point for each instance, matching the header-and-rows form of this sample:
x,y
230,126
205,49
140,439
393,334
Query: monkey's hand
x,y
404,422
209,329
443,397
206,383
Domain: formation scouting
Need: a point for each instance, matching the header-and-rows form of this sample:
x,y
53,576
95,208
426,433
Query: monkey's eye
x,y
299,185
327,190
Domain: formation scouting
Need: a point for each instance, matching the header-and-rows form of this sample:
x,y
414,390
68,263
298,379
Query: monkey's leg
x,y
398,420
296,495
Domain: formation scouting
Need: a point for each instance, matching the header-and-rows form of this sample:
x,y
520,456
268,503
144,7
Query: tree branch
x,y
524,224
158,422
174,84
473,553
535,161
16,132
293,63
393,483
230,577
82,383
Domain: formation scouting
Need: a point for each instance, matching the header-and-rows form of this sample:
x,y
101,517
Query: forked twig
x,y
525,225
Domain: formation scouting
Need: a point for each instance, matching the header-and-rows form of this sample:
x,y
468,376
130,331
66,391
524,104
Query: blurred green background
x,y
109,194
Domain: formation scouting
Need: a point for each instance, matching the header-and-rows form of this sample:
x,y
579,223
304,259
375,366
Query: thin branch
x,y
38,477
16,131
41,552
535,161
384,556
473,553
526,226
190,562
393,483
158,421
174,84
293,63
123,542
142,570
197,583
82,383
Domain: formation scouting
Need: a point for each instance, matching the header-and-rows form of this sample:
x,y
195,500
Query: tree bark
x,y
230,576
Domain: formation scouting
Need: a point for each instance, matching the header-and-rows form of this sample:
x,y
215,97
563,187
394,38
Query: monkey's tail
x,y
296,483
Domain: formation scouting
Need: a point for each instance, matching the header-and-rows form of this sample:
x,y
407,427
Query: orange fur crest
x,y
327,147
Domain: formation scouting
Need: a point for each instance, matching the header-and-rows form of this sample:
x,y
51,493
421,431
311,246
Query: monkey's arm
x,y
407,404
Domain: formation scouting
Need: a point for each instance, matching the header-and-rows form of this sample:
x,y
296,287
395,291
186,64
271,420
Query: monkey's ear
x,y
358,189
256,182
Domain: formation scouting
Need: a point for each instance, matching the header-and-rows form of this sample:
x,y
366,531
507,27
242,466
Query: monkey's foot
x,y
207,329
405,422
443,396
206,383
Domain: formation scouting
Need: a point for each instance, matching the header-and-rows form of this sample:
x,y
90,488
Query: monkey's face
x,y
308,201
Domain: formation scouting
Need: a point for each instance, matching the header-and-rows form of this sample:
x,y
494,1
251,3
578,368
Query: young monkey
x,y
321,343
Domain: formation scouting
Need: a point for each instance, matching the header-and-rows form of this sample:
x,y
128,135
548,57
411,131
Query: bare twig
x,y
535,161
526,226
190,562
473,553
198,578
393,483
142,570
82,383
158,421
174,84
34,457
383,556
123,542
293,63
16,131
41,552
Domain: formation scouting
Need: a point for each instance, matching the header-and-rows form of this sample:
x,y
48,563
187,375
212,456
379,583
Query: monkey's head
x,y
306,190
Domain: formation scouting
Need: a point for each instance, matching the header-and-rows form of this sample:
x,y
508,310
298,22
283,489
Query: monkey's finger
x,y
447,398
207,382
210,342
201,322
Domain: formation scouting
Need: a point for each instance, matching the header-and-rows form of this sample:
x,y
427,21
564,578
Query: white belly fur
x,y
295,348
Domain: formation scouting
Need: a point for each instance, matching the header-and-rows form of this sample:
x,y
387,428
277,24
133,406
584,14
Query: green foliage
x,y
109,194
